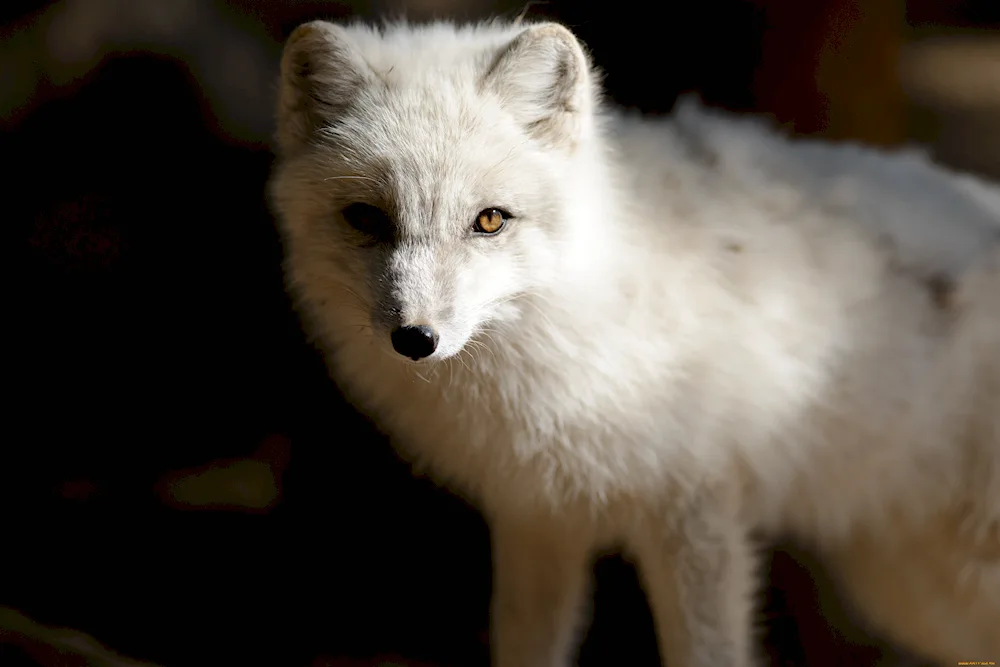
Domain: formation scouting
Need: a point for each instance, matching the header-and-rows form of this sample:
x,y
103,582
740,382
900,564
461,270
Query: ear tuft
x,y
544,77
321,74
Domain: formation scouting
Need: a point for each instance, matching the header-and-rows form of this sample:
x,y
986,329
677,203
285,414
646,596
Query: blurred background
x,y
181,484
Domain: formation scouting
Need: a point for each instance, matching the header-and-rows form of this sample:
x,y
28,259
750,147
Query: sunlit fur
x,y
690,329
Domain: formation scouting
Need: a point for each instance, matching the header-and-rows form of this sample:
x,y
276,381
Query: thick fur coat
x,y
687,331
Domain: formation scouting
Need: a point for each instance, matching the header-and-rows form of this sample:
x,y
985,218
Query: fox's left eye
x,y
490,221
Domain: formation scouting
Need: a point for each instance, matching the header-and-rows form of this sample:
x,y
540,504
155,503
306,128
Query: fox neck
x,y
591,254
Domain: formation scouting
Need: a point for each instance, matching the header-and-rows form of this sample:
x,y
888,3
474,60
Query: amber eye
x,y
369,220
490,221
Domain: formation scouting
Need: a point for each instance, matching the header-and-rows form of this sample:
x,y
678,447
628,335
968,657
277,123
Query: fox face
x,y
419,201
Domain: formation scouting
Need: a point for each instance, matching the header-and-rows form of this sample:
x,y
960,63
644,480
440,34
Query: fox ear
x,y
321,73
544,77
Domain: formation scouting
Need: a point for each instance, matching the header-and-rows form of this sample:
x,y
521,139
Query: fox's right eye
x,y
369,220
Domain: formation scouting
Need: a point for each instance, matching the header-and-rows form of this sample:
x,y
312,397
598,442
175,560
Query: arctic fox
x,y
666,334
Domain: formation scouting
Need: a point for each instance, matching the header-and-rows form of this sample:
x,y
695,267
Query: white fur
x,y
692,329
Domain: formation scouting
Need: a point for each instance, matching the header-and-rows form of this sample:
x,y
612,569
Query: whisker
x,y
352,178
479,345
461,360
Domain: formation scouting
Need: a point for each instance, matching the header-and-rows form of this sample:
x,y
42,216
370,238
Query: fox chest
x,y
532,459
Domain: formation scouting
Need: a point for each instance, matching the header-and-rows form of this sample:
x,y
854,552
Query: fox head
x,y
429,177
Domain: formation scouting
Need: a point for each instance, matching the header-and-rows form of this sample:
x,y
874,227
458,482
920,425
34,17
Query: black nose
x,y
415,342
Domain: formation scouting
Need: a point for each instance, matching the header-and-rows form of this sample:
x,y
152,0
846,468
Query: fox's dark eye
x,y
369,220
490,221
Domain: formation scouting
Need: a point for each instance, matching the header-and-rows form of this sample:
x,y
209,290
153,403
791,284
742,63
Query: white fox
x,y
665,334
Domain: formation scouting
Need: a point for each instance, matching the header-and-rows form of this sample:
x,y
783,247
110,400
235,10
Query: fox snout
x,y
415,341
417,300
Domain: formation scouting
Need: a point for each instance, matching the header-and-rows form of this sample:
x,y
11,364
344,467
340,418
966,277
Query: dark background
x,y
150,341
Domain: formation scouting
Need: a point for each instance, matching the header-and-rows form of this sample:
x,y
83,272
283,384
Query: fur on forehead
x,y
400,51
537,73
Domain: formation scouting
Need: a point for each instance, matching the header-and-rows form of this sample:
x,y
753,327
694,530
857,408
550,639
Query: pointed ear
x,y
544,77
321,74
